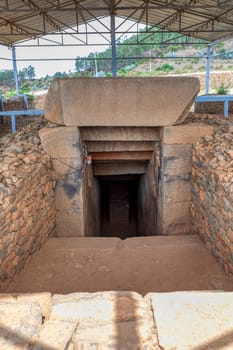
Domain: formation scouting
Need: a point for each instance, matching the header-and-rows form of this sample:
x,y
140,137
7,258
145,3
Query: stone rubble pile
x,y
27,211
212,194
215,120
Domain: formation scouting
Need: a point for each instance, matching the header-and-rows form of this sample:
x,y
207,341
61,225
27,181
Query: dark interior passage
x,y
119,206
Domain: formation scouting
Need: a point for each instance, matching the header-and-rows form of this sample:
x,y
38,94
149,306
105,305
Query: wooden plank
x,y
145,155
105,169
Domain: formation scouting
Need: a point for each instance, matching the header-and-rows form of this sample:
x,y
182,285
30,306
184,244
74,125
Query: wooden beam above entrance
x,y
119,168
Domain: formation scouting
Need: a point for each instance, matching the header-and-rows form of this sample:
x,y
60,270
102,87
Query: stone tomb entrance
x,y
118,206
124,197
121,160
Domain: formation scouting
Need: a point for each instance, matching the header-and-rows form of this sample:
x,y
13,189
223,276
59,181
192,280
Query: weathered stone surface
x,y
176,190
177,212
54,335
68,101
123,320
63,166
193,320
63,145
185,134
70,223
101,308
119,134
61,142
174,200
123,335
108,320
20,324
177,166
43,299
177,151
70,204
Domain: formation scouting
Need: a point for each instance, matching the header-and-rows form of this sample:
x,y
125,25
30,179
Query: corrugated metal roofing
x,y
25,19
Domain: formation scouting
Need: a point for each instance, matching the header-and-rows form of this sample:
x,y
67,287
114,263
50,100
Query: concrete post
x,y
207,82
15,69
113,43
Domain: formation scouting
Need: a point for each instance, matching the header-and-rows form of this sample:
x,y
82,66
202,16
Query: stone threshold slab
x,y
195,320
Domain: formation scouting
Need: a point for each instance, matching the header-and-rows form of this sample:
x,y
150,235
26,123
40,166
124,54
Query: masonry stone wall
x,y
27,211
17,103
212,107
212,194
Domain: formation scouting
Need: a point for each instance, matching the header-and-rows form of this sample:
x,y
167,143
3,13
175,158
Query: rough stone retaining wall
x,y
17,103
212,194
212,107
27,210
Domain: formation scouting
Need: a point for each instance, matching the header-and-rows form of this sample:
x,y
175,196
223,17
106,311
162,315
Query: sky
x,y
44,67
49,66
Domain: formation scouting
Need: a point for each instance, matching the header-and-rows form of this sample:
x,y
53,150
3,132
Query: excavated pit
x,y
126,182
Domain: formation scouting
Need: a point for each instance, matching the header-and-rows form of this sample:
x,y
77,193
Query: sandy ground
x,y
146,264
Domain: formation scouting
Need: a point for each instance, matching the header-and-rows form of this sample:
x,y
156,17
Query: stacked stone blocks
x,y
27,215
212,192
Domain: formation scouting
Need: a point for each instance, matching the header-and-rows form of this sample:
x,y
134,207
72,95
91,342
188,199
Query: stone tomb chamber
x,y
117,161
121,155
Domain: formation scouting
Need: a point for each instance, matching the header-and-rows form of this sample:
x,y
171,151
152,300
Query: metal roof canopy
x,y
53,20
26,19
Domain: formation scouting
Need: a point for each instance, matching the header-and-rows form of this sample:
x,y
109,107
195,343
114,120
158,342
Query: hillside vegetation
x,y
141,55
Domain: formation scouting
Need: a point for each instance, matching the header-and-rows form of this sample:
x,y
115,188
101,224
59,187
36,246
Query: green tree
x,y
6,77
27,73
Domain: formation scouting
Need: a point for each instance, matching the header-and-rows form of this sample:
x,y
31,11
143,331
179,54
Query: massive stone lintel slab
x,y
120,101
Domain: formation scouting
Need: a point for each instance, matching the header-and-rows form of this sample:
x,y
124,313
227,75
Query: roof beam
x,y
44,15
19,29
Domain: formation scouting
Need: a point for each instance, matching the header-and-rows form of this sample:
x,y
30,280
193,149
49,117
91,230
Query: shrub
x,y
222,90
165,68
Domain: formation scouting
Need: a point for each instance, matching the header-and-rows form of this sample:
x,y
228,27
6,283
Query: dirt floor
x,y
146,264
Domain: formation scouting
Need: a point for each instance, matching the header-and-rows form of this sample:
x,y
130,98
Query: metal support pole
x,y
207,81
96,67
113,43
15,69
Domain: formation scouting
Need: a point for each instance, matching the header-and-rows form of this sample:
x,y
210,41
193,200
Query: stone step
x,y
117,321
194,320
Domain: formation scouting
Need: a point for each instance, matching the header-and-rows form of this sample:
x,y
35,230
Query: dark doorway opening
x,y
119,205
